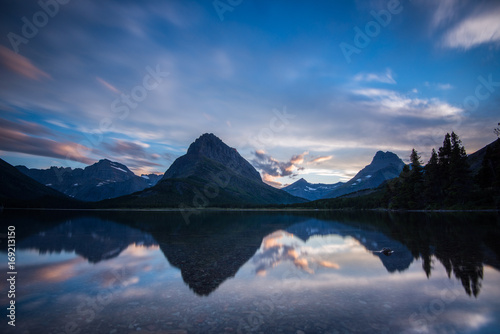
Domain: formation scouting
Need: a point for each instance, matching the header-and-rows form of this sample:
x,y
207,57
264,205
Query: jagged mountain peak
x,y
211,164
384,156
310,191
105,164
210,147
102,180
108,162
301,181
384,166
382,160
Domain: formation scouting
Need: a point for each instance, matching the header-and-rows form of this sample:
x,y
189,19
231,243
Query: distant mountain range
x,y
103,180
384,166
210,174
311,191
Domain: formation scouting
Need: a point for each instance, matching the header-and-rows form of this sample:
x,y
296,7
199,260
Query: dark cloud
x,y
269,165
19,137
28,128
122,147
20,64
346,111
131,154
271,168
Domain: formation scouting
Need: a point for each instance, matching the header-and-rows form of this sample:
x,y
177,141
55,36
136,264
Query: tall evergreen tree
x,y
401,193
415,180
460,176
432,181
444,154
415,162
444,161
406,192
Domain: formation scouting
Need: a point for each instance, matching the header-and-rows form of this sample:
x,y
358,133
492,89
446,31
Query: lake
x,y
253,272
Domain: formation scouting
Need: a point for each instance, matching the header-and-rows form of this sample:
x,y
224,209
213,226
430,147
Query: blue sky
x,y
302,89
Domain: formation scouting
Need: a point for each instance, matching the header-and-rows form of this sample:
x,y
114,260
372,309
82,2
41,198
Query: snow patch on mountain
x,y
120,169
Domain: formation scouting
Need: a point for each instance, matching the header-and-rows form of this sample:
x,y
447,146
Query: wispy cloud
x,y
396,104
227,79
58,123
475,30
20,64
298,159
132,154
444,12
321,159
13,140
438,86
26,127
108,85
376,77
444,86
271,180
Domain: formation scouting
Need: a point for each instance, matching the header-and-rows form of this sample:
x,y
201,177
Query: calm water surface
x,y
248,272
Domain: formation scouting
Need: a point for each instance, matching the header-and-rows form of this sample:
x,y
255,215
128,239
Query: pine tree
x,y
415,180
444,155
400,189
444,161
406,192
432,181
416,163
460,175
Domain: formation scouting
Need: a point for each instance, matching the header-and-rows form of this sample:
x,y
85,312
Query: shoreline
x,y
246,210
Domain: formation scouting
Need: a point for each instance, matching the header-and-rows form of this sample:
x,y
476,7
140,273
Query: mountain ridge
x,y
101,180
210,146
210,174
19,190
310,191
384,166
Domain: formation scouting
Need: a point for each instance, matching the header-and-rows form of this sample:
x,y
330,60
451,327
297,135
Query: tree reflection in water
x,y
214,246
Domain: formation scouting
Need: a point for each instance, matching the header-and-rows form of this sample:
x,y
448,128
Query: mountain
x,y
19,190
93,239
152,179
102,180
371,239
209,174
384,166
310,191
475,159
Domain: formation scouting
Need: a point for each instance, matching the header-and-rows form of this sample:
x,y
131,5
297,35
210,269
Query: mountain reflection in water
x,y
213,247
254,272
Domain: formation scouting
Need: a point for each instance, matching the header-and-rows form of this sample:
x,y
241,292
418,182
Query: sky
x,y
301,89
